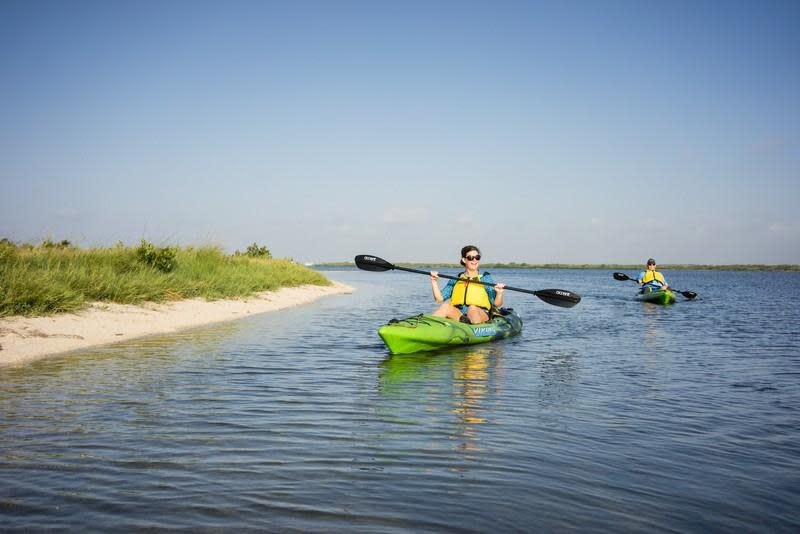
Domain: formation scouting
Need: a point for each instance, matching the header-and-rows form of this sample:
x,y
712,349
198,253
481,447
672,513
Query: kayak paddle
x,y
622,277
556,297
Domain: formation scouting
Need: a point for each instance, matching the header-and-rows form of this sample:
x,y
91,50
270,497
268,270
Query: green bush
x,y
161,258
49,243
254,251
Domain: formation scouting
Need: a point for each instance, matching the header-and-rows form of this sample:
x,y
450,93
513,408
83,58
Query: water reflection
x,y
470,376
653,316
460,382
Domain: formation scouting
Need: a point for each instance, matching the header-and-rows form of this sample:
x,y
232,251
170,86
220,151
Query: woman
x,y
463,301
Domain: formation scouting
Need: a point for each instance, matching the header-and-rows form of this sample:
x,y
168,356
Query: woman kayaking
x,y
463,301
650,279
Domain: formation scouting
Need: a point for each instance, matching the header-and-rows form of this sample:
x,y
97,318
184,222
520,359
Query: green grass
x,y
51,279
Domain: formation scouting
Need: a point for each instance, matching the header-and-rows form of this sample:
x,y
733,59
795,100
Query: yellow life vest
x,y
649,276
470,294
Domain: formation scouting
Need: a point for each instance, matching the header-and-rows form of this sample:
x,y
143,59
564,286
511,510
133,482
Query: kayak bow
x,y
425,332
659,296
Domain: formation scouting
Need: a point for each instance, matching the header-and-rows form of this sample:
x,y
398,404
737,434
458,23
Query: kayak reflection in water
x,y
650,279
463,301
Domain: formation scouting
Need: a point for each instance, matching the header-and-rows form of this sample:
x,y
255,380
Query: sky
x,y
565,131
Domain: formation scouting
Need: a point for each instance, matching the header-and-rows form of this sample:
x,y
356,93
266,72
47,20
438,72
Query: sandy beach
x,y
26,339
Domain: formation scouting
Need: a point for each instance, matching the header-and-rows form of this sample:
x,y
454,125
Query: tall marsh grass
x,y
51,279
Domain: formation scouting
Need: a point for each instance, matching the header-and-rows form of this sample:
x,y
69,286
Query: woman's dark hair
x,y
466,250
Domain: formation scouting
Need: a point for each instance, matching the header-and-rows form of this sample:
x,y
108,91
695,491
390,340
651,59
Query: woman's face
x,y
472,259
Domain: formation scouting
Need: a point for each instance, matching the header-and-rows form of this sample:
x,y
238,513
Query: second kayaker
x,y
463,301
650,279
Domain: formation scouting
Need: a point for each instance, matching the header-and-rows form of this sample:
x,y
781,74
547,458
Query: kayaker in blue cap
x,y
463,301
651,279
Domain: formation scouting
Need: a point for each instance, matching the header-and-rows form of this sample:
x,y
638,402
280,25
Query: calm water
x,y
611,416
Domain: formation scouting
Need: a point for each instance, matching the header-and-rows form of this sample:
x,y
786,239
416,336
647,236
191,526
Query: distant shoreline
x,y
598,266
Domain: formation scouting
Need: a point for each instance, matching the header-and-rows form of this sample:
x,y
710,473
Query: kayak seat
x,y
499,312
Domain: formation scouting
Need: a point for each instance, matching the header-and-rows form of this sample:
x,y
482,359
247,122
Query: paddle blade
x,y
372,263
559,297
621,277
688,294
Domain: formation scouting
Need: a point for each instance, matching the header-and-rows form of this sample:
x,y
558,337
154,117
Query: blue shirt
x,y
447,291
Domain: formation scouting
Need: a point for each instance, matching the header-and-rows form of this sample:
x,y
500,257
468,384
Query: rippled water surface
x,y
612,416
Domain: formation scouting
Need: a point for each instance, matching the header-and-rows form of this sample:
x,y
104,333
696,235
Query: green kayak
x,y
660,296
426,332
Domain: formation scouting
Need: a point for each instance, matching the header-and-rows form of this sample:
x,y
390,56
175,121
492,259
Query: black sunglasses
x,y
470,258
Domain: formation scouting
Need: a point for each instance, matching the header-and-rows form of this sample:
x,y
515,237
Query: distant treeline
x,y
606,266
57,277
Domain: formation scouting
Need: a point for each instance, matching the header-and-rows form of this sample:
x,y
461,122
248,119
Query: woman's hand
x,y
437,293
499,288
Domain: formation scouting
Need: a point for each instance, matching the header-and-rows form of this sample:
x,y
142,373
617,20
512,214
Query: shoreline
x,y
27,339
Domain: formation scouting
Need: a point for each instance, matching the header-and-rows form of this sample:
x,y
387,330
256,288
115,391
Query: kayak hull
x,y
426,332
660,296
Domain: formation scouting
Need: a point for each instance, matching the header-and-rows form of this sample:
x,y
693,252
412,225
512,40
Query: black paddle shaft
x,y
556,297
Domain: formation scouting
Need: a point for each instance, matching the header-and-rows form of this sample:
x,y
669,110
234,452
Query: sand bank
x,y
25,339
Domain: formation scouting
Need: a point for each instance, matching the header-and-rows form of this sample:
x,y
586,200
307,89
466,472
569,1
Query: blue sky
x,y
541,131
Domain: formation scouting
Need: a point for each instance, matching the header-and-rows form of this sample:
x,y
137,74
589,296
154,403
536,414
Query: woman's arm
x,y
498,299
495,291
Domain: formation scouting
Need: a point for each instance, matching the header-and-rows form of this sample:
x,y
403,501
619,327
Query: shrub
x,y
254,251
161,258
49,243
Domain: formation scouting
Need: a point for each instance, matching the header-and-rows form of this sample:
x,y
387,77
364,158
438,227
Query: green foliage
x,y
161,258
8,250
254,251
49,279
49,243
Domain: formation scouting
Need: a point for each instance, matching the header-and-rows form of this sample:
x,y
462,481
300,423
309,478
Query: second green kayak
x,y
426,332
660,296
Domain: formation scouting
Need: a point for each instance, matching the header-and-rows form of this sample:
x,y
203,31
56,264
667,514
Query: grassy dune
x,y
52,278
